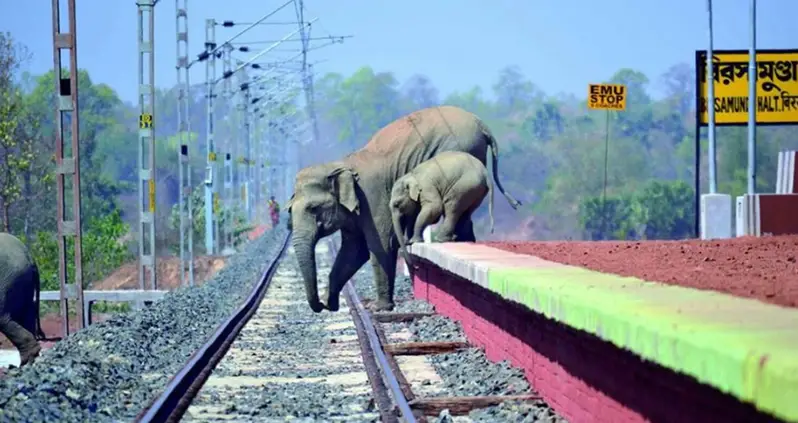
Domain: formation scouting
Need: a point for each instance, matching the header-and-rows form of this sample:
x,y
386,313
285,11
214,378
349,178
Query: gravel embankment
x,y
112,369
467,373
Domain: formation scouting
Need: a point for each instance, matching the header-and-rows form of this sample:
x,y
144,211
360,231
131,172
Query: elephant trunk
x,y
305,249
396,217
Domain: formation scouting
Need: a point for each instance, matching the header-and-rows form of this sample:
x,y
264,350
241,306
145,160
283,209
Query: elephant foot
x,y
333,304
414,240
29,356
382,306
316,306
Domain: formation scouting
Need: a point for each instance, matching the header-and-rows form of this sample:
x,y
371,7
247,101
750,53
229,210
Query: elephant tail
x,y
37,286
494,150
490,202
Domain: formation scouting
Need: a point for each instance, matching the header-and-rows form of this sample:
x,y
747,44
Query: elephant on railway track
x,y
19,298
451,184
352,195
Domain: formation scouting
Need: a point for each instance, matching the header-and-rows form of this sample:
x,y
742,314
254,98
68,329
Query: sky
x,y
561,46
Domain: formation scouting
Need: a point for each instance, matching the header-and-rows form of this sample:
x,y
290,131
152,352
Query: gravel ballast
x,y
111,370
290,363
466,373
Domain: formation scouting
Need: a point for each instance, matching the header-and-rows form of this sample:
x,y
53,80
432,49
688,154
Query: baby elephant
x,y
452,184
19,298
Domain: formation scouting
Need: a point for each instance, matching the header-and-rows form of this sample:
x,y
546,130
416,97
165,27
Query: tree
x,y
103,251
420,92
16,145
514,93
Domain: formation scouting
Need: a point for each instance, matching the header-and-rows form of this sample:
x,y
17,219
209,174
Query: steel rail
x,y
186,384
367,327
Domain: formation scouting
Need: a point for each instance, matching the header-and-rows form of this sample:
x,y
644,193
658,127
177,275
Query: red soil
x,y
762,268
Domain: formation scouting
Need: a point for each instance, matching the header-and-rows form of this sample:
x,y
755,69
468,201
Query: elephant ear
x,y
413,190
343,182
290,203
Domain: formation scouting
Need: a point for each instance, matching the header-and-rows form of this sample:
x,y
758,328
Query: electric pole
x,y
146,147
211,196
307,79
66,88
227,194
184,135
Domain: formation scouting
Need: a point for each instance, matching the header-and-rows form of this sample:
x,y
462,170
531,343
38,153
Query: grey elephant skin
x,y
451,184
19,298
352,195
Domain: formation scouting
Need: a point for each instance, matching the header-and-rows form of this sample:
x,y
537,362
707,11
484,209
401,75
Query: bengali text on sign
x,y
776,87
606,97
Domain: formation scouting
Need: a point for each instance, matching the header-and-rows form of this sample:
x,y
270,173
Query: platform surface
x,y
743,347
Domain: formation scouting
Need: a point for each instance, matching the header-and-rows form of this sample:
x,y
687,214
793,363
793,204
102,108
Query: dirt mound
x,y
168,273
764,268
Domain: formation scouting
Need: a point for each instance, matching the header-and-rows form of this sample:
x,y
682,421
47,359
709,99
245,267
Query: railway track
x,y
275,359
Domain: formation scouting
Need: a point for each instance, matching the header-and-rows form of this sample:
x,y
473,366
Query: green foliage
x,y
661,210
239,228
667,210
617,219
103,251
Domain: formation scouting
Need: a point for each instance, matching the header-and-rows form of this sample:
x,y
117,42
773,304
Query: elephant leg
x,y
446,230
465,228
384,266
22,339
428,215
351,257
25,312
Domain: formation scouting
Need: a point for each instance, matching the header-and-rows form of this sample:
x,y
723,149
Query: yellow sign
x,y
145,121
211,157
152,195
776,87
606,97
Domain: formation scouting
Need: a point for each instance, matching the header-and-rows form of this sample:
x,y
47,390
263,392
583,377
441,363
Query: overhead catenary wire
x,y
207,53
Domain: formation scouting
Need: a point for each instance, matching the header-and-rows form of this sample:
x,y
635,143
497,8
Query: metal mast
x,y
184,136
211,196
66,87
227,191
246,175
307,77
146,150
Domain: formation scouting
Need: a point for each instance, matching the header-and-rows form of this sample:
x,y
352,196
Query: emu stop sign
x,y
606,97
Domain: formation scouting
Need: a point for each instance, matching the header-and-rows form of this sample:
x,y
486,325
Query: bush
x,y
661,210
240,227
102,251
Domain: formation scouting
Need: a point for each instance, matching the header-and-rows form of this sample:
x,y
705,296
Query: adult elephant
x,y
19,298
352,195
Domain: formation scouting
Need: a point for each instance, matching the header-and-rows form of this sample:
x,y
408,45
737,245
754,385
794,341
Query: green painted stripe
x,y
743,347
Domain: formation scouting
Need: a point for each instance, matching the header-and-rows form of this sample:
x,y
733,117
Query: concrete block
x,y
787,172
716,216
740,217
768,214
